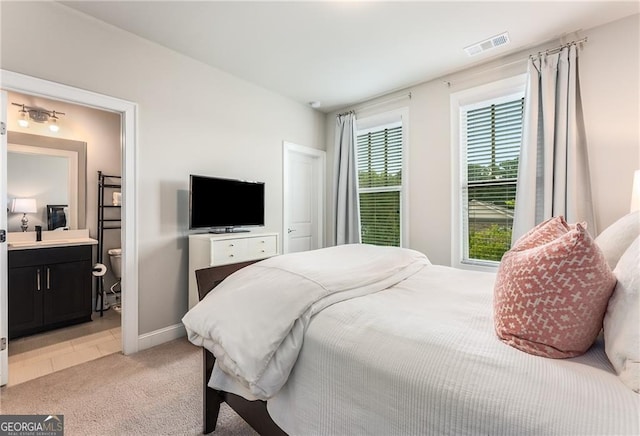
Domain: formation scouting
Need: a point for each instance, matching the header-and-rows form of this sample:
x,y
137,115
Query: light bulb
x,y
53,123
23,118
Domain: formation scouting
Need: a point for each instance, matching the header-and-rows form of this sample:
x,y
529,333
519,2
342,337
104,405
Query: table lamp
x,y
23,206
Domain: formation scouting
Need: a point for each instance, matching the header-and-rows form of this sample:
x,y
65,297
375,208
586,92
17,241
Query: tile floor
x,y
34,356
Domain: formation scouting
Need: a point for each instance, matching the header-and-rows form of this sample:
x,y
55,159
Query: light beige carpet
x,y
154,392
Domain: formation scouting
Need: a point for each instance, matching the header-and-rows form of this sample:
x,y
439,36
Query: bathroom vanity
x,y
50,281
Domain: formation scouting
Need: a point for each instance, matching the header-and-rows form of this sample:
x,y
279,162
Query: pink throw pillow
x,y
543,233
552,290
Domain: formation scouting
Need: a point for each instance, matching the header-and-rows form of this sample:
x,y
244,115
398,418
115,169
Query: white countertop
x,y
66,238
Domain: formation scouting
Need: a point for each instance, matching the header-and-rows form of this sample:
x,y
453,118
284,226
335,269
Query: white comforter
x,y
255,320
422,358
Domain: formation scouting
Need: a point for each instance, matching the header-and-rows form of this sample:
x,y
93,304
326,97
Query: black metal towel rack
x,y
105,182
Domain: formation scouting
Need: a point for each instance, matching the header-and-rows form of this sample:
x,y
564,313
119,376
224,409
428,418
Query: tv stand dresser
x,y
208,249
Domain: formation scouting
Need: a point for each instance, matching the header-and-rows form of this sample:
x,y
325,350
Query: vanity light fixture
x,y
23,206
38,115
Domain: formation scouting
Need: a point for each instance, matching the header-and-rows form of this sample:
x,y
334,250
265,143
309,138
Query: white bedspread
x,y
255,320
422,358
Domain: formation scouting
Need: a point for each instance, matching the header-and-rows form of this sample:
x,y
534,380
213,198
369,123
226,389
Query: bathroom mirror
x,y
51,170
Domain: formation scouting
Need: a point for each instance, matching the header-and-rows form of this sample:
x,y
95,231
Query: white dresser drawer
x,y
263,246
228,251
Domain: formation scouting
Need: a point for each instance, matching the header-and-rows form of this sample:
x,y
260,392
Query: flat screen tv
x,y
225,205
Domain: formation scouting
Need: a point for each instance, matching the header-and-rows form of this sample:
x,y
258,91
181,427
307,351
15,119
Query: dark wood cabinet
x,y
48,288
25,300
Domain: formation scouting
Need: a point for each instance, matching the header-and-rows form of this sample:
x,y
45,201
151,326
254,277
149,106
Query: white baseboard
x,y
161,336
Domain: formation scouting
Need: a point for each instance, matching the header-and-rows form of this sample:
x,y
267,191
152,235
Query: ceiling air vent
x,y
487,44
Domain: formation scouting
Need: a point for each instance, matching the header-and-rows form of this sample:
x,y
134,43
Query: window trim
x,y
473,96
380,121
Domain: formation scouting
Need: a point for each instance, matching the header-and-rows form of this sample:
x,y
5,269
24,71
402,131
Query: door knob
x,y
291,230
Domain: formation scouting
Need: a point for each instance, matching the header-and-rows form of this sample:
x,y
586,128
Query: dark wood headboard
x,y
209,278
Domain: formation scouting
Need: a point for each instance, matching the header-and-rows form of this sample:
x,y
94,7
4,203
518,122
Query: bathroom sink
x,y
21,244
50,239
38,243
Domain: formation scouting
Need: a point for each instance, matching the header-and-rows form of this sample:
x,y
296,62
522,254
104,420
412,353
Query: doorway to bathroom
x,y
103,334
69,184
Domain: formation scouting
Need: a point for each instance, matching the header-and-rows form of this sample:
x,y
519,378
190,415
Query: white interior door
x,y
303,200
4,293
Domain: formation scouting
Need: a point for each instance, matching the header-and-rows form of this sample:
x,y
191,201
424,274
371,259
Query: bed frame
x,y
253,412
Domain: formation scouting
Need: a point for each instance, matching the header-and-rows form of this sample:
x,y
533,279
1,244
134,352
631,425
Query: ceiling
x,y
340,53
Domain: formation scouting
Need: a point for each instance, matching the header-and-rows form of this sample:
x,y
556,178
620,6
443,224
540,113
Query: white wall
x,y
610,83
609,72
192,119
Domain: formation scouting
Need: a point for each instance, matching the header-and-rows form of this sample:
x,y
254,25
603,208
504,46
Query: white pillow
x,y
615,239
622,320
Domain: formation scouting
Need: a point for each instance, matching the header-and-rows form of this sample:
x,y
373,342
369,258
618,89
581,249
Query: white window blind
x,y
491,139
379,152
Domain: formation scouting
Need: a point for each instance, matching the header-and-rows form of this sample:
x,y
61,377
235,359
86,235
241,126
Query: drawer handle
x,y
231,255
38,279
230,245
262,251
48,278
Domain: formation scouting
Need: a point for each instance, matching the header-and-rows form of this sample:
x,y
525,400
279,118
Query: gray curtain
x,y
553,177
346,204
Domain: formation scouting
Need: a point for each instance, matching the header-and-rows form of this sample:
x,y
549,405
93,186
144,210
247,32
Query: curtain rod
x,y
377,103
557,49
449,83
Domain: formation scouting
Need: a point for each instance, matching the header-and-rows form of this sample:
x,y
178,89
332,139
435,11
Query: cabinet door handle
x,y
48,279
38,279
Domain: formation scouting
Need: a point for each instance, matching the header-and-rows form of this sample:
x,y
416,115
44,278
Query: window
x,y
379,150
486,132
491,135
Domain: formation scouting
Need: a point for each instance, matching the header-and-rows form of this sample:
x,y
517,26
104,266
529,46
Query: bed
x,y
390,347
